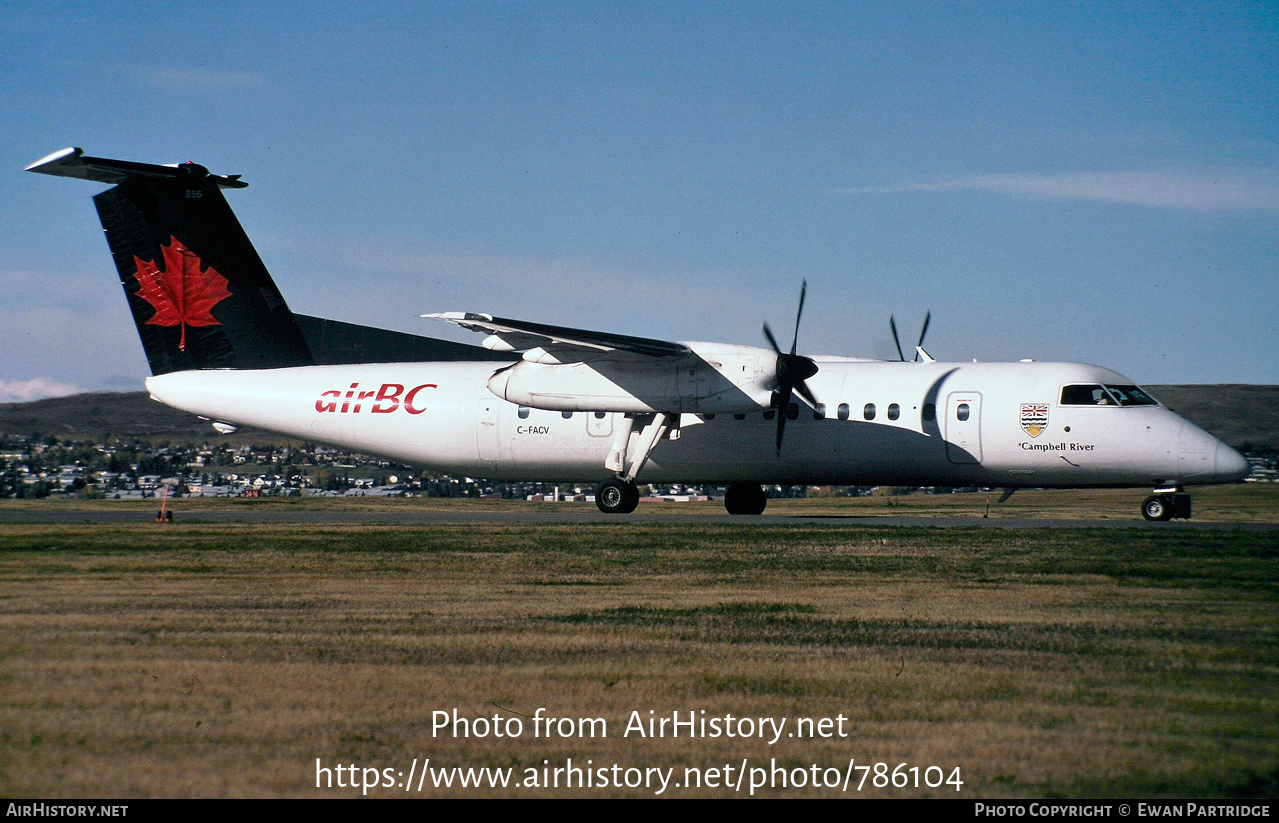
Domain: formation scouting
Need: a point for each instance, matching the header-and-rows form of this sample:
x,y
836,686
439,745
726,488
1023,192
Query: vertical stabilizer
x,y
199,293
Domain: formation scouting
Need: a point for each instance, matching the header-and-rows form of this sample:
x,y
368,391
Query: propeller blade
x,y
772,341
791,370
892,324
783,406
803,291
923,332
804,392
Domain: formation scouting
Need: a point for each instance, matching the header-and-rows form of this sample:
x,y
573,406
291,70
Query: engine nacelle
x,y
734,380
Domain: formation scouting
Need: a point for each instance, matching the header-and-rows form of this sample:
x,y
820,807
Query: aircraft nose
x,y
1204,458
1230,464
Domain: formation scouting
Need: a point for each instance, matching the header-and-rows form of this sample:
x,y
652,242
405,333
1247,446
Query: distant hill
x,y
1236,413
96,415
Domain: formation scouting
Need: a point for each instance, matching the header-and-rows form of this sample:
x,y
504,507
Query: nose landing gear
x,y
1166,505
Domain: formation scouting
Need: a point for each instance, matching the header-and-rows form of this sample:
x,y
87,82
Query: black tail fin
x,y
198,291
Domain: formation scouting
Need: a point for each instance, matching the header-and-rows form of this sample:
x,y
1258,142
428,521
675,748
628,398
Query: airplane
x,y
545,403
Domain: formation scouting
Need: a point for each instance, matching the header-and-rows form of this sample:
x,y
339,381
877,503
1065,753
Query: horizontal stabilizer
x,y
73,163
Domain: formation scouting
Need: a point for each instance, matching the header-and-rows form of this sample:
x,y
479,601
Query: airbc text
x,y
387,398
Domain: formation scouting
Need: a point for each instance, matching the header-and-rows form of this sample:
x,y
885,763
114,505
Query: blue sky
x,y
1092,182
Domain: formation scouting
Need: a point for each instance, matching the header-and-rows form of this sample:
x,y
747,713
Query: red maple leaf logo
x,y
184,293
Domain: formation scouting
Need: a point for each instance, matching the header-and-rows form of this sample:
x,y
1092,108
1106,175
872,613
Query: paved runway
x,y
431,518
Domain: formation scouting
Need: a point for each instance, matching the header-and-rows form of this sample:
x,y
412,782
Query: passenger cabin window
x,y
770,414
819,411
792,411
567,415
843,411
894,411
869,411
930,412
961,411
523,412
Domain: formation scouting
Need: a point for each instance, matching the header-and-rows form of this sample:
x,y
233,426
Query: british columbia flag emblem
x,y
1034,418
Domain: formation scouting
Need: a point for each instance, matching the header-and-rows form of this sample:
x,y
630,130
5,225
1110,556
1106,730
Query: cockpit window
x,y
1132,396
1096,395
1089,395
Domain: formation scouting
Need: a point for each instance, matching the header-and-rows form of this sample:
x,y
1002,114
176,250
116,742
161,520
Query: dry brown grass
x,y
222,660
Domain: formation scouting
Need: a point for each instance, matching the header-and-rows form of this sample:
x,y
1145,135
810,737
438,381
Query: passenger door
x,y
963,427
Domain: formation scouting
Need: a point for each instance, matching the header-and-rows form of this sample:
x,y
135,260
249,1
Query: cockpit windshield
x,y
1093,394
1090,395
1131,396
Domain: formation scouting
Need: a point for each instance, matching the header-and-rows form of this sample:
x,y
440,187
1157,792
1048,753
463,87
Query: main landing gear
x,y
1165,505
745,498
617,496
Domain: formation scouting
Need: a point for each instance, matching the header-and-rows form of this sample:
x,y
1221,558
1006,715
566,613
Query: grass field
x,y
224,659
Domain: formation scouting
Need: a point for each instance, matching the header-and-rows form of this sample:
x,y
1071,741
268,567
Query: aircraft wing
x,y
521,335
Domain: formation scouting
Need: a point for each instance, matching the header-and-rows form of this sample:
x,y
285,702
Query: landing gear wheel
x,y
1156,507
1166,506
745,498
616,497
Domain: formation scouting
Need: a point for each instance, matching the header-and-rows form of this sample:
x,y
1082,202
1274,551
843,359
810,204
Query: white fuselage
x,y
444,416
